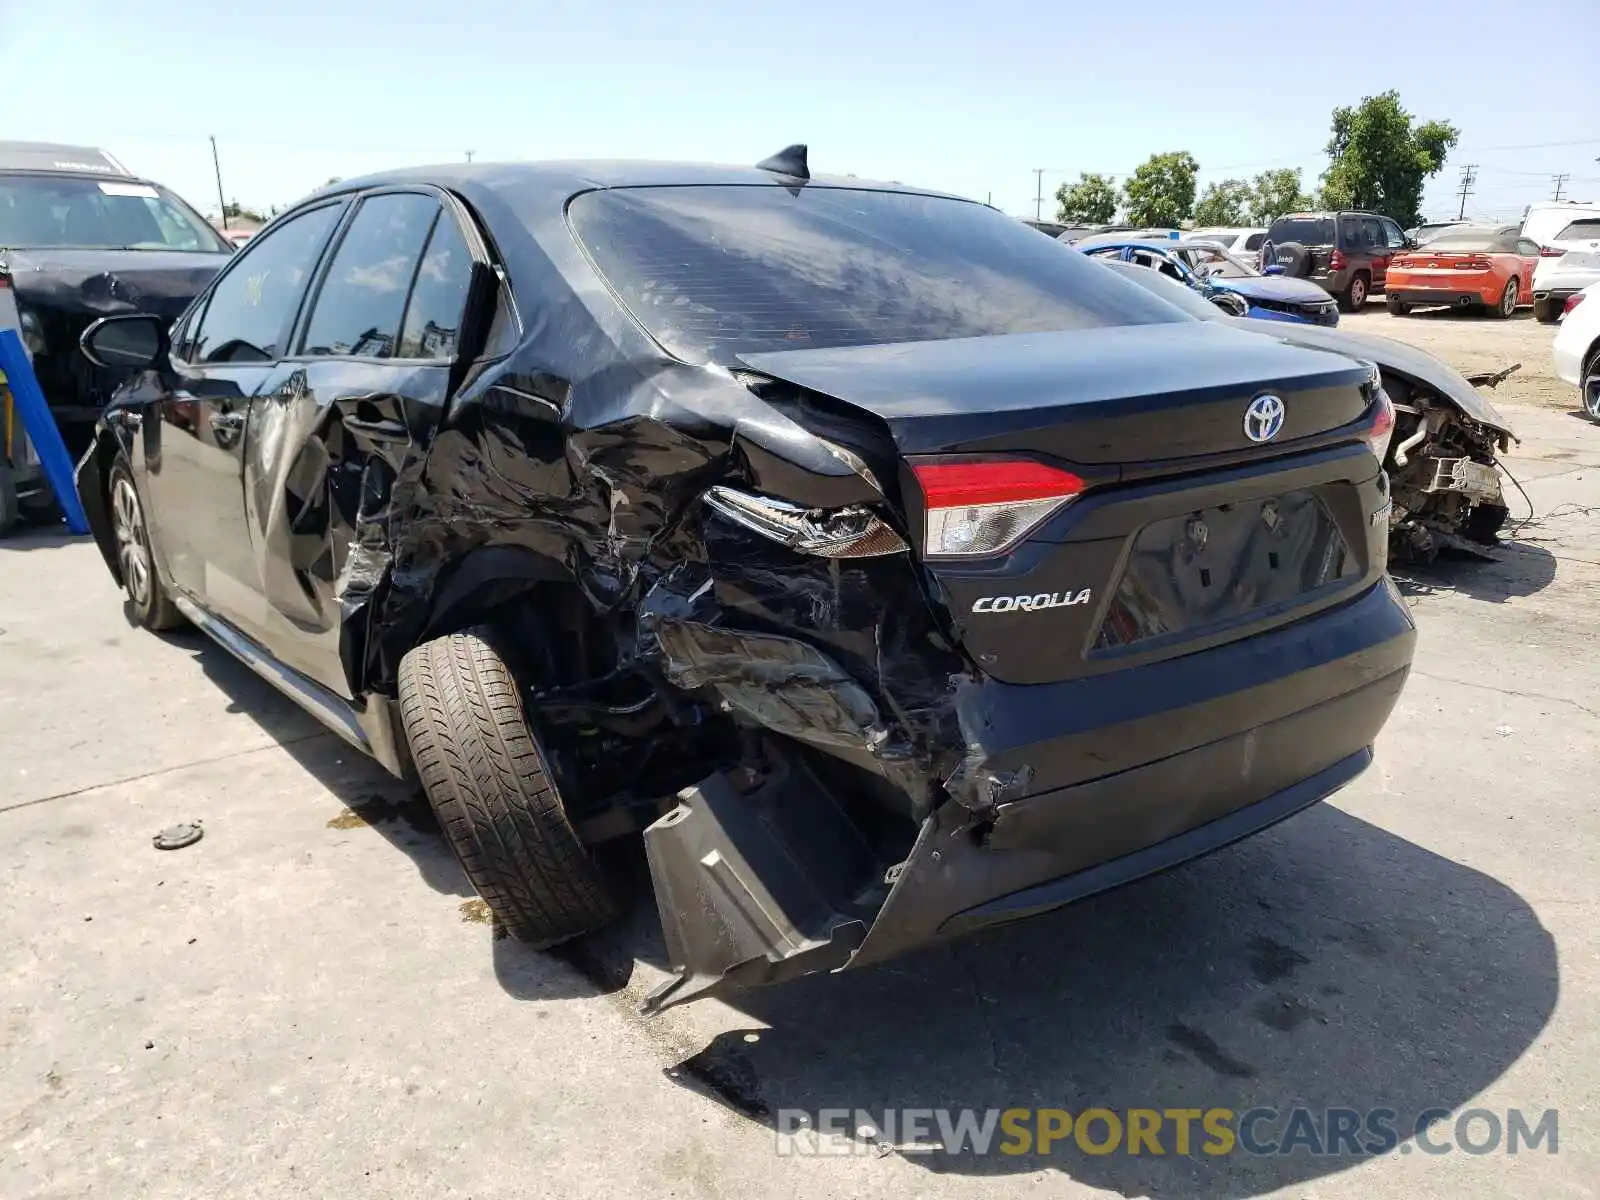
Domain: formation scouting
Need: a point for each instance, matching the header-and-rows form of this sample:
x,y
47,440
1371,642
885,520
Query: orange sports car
x,y
1468,266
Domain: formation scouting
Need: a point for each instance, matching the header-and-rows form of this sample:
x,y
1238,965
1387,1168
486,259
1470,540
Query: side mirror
x,y
126,343
1274,269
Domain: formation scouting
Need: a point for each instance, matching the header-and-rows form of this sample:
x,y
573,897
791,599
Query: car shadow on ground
x,y
1471,312
1519,569
1326,963
40,537
399,813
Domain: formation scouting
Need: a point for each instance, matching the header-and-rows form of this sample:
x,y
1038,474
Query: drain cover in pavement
x,y
179,836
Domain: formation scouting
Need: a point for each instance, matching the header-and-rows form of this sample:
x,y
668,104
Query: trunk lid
x,y
1132,394
1188,535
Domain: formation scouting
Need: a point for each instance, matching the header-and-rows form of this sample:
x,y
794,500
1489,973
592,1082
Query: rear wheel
x,y
1508,300
152,606
1396,306
490,783
1545,310
1354,296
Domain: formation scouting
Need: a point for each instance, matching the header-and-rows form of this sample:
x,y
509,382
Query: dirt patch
x,y
1471,341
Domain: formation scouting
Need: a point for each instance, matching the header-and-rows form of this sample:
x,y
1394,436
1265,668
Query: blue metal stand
x,y
47,444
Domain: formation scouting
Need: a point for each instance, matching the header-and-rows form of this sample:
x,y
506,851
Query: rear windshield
x,y
1308,231
713,272
56,212
1463,240
1580,231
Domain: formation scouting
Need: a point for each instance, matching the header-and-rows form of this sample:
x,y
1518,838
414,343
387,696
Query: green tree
x,y
1161,191
1224,203
1090,201
1273,193
1379,161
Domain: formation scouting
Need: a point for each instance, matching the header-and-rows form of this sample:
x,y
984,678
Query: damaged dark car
x,y
893,570
82,238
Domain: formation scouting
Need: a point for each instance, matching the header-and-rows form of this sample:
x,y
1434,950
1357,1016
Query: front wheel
x,y
1508,300
1591,387
1354,297
1396,307
147,596
489,781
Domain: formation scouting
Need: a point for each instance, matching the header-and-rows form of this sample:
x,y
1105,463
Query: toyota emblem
x,y
1264,418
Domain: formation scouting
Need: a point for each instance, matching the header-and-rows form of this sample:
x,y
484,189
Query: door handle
x,y
226,427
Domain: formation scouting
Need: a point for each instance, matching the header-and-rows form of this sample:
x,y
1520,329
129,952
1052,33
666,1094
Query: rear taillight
x,y
1572,302
1551,252
1336,261
1382,427
986,506
1471,264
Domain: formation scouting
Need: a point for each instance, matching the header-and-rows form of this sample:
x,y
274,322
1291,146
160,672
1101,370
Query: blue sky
x,y
966,97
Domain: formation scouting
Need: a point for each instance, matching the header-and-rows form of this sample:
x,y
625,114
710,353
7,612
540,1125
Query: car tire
x,y
1485,521
148,598
1545,310
10,505
1589,387
1354,296
1506,308
1396,306
489,782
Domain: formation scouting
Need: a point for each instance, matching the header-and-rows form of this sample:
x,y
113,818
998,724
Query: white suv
x,y
1577,348
1570,258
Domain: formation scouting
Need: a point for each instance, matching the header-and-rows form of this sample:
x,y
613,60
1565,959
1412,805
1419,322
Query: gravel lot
x,y
308,1002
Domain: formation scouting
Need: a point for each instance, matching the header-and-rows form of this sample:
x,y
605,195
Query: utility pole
x,y
1038,197
1469,174
469,155
216,165
1561,181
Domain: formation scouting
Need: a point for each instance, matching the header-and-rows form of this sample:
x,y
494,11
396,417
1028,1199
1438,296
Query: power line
x,y
1560,181
1468,174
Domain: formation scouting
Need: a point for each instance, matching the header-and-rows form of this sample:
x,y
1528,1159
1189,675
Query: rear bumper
x,y
1560,293
1458,296
1128,773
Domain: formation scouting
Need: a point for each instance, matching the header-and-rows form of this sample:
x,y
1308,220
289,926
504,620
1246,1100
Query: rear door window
x,y
362,299
251,308
439,297
712,272
1586,230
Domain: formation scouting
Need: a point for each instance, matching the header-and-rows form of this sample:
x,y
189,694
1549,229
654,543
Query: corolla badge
x,y
1038,603
1263,418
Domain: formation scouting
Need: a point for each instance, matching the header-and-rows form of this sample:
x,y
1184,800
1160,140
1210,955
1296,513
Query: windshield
x,y
1223,264
1308,231
713,272
57,212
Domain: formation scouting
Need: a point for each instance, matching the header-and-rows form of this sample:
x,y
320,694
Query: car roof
x,y
564,179
57,158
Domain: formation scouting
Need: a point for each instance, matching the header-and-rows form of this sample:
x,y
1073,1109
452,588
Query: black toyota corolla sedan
x,y
893,570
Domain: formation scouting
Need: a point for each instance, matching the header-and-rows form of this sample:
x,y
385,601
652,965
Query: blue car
x,y
1226,280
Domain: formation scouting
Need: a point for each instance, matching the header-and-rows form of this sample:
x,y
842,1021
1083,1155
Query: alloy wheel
x,y
1508,301
1591,391
1358,293
133,543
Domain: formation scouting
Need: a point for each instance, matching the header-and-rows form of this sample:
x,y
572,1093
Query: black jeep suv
x,y
1346,253
895,570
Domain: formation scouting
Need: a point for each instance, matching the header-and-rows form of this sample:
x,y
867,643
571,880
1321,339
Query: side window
x,y
1394,235
1527,248
439,296
1350,233
252,305
363,296
1372,234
